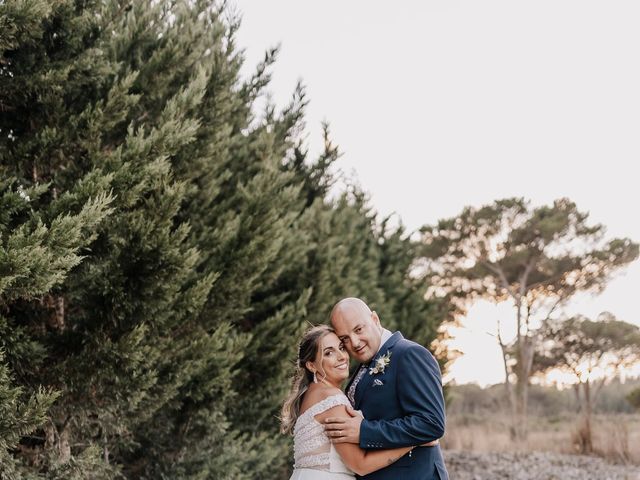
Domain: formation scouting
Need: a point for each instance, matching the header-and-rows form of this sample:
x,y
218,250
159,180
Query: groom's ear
x,y
375,318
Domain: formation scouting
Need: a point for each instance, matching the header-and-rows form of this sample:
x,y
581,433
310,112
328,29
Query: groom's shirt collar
x,y
386,335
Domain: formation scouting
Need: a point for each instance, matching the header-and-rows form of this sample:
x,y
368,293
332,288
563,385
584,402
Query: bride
x,y
322,366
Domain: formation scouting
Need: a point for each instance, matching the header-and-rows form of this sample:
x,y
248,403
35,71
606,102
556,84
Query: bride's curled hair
x,y
302,378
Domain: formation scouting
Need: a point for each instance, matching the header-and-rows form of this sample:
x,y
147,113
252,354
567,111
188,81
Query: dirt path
x,y
533,466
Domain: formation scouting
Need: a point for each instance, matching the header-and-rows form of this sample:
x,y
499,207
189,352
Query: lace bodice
x,y
311,446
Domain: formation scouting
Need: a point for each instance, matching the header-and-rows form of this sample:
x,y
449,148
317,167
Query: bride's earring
x,y
315,379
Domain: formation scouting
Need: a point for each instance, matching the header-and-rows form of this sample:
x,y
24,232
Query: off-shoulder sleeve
x,y
329,402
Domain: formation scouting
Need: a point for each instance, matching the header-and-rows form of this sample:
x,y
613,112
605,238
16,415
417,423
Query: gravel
x,y
534,466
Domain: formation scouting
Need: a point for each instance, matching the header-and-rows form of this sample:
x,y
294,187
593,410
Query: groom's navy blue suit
x,y
403,406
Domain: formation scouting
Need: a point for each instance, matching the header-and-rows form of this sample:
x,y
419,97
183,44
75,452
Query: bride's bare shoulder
x,y
317,393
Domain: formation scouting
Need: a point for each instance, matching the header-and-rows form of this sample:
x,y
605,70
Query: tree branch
x,y
503,279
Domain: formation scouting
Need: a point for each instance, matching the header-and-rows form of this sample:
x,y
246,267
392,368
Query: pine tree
x,y
535,257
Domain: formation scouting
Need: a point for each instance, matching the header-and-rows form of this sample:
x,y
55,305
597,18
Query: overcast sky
x,y
441,104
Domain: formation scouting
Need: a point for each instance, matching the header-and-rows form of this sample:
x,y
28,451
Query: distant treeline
x,y
471,399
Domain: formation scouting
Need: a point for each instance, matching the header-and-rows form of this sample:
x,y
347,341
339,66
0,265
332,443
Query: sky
x,y
437,105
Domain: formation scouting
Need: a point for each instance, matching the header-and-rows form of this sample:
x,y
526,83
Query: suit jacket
x,y
403,406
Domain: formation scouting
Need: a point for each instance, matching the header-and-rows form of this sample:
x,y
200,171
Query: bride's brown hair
x,y
302,378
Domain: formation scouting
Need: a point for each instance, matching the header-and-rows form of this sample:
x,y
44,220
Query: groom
x,y
398,388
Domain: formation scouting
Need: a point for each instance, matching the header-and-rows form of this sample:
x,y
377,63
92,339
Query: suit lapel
x,y
367,379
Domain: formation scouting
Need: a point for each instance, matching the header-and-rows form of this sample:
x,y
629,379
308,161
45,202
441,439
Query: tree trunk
x,y
518,395
512,404
57,441
525,349
587,443
576,390
511,396
519,431
56,319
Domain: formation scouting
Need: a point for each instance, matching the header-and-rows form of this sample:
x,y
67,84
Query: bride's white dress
x,y
314,456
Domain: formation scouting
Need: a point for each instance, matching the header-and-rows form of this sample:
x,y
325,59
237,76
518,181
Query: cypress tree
x,y
87,122
162,245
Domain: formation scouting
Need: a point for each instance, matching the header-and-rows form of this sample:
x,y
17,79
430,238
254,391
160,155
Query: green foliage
x,y
537,258
579,346
531,255
405,291
163,244
472,401
20,414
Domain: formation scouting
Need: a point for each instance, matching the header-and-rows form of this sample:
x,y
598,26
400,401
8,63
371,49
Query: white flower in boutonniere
x,y
381,363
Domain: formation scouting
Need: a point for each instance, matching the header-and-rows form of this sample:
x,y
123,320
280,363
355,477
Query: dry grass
x,y
615,437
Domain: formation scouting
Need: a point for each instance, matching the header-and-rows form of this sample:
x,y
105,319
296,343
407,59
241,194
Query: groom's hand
x,y
344,430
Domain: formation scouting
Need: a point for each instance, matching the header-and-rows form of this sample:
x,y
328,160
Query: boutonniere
x,y
381,363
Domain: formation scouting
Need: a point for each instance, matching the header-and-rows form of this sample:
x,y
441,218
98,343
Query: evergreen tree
x,y
404,290
84,113
162,245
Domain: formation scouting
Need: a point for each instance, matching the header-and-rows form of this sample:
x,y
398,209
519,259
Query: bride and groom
x,y
388,423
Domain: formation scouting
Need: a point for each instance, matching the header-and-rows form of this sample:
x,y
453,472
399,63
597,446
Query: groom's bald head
x,y
357,327
350,307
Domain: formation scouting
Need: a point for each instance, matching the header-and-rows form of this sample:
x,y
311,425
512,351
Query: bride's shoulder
x,y
327,392
319,394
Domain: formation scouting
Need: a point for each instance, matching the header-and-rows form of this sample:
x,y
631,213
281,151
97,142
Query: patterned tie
x,y
351,394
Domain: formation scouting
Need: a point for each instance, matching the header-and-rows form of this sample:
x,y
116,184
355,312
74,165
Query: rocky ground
x,y
534,466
